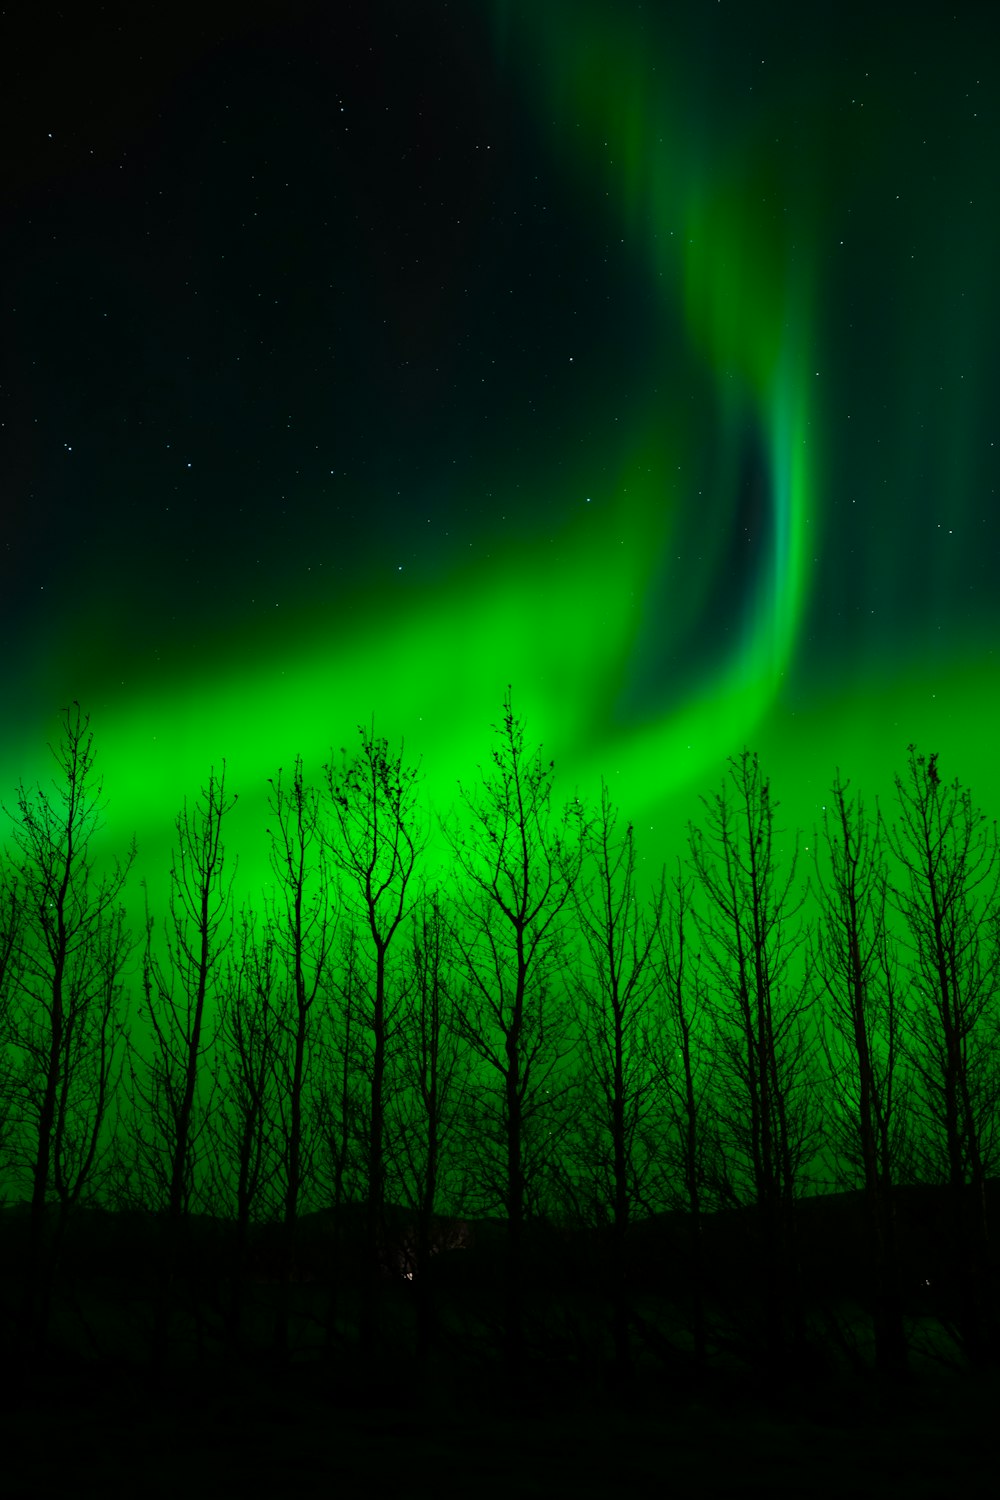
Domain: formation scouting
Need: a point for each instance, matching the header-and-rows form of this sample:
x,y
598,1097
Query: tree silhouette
x,y
302,922
431,1076
856,966
947,897
520,866
547,1043
184,1004
763,1053
620,1120
339,1109
376,844
65,946
244,1129
689,1154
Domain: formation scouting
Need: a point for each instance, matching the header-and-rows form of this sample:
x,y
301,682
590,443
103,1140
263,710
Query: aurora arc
x,y
725,235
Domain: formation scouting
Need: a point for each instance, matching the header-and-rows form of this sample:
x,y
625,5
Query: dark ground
x,y
239,1436
86,1420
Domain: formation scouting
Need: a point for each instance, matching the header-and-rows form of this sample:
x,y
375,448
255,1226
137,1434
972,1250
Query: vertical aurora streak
x,y
706,239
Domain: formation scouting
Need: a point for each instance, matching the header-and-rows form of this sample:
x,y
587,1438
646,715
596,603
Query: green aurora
x,y
782,533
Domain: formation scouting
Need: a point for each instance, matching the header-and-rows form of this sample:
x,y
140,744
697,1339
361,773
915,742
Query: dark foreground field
x,y
86,1417
91,1433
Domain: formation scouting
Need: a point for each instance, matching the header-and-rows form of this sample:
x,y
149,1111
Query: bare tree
x,y
65,950
302,925
184,1005
520,863
431,1076
616,1139
947,897
856,965
376,846
688,1153
764,1054
244,1131
339,1109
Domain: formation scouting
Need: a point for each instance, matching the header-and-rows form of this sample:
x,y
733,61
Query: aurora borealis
x,y
362,359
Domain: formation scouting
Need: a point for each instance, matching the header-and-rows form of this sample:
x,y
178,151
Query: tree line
x,y
541,1039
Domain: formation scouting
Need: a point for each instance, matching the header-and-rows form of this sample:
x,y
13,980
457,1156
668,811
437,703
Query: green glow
x,y
568,615
746,304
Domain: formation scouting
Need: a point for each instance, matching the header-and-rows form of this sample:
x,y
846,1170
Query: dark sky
x,y
640,355
251,298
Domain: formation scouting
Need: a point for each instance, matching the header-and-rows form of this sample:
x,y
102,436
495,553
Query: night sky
x,y
363,358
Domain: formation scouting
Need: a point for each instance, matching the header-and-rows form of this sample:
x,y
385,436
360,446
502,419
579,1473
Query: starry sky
x,y
359,360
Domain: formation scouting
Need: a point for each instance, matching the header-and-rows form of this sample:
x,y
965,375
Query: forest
x,y
545,1128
